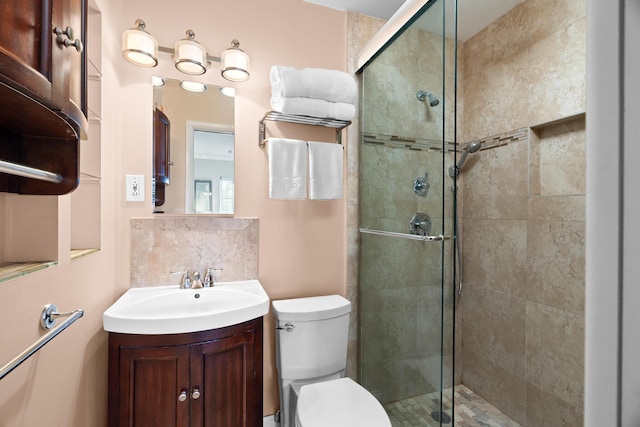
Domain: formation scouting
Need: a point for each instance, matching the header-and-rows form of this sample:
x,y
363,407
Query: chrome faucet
x,y
188,282
185,279
197,283
208,278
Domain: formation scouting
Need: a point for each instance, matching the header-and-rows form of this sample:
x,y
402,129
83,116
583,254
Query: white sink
x,y
171,310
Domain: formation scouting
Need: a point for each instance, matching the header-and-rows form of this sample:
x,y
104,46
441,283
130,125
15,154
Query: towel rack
x,y
303,120
47,321
29,172
437,238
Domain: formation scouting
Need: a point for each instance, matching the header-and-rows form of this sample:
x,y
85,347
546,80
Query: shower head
x,y
472,147
422,95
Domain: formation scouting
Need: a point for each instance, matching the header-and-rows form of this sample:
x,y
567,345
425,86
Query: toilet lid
x,y
339,403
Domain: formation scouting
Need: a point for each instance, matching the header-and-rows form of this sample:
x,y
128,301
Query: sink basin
x,y
171,310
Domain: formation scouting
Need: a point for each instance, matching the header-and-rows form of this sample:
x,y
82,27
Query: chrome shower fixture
x,y
472,147
422,95
420,224
421,185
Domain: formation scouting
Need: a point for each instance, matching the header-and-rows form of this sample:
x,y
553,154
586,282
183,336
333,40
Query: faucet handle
x,y
208,277
185,280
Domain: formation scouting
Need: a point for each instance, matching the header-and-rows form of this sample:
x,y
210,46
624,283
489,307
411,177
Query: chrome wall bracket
x,y
50,314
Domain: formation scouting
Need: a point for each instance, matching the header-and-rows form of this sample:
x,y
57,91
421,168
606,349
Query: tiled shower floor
x,y
470,410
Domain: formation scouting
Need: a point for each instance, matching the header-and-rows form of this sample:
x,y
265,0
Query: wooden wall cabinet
x,y
201,379
42,90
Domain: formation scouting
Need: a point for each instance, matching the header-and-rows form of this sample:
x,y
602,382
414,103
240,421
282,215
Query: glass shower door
x,y
406,222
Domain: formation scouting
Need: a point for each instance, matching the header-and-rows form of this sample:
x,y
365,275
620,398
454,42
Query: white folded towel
x,y
287,168
325,170
316,83
313,107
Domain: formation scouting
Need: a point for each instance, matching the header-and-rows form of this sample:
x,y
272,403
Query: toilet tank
x,y
311,336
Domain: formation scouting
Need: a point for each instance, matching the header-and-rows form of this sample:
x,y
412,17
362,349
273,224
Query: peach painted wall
x,y
302,244
65,383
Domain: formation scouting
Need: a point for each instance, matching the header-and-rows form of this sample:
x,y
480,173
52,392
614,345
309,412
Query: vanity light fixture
x,y
193,86
235,63
139,47
157,81
190,57
228,91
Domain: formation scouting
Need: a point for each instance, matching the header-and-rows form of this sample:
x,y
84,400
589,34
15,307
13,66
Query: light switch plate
x,y
134,190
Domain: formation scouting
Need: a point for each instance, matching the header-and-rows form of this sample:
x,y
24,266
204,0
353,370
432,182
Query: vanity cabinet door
x,y
153,387
209,378
225,372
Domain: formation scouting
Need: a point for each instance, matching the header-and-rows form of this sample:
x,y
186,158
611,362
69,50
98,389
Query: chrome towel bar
x,y
29,172
437,238
47,321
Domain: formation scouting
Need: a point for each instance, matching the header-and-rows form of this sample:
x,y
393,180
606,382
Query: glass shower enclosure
x,y
406,206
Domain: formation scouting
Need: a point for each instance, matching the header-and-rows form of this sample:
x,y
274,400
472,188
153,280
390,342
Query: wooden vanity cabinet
x,y
200,379
43,91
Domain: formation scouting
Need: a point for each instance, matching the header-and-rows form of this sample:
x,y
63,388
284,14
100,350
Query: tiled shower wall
x,y
523,210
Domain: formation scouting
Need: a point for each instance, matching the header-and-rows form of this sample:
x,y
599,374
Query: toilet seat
x,y
339,403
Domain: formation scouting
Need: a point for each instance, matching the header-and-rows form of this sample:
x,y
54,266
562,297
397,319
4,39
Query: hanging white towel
x,y
325,171
287,168
317,83
313,107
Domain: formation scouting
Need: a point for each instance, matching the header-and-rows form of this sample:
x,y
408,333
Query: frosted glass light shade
x,y
139,47
235,63
157,81
193,86
190,56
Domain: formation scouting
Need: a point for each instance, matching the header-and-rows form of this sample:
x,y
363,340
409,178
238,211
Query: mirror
x,y
193,142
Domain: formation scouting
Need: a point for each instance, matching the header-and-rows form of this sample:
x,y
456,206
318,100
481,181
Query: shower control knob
x,y
420,224
421,185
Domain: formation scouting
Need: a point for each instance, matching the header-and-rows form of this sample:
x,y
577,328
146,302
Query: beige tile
x,y
556,264
162,245
545,410
563,208
562,158
499,387
496,102
495,183
494,255
558,75
555,352
549,16
505,37
493,325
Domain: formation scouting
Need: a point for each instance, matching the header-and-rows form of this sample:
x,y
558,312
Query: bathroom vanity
x,y
204,378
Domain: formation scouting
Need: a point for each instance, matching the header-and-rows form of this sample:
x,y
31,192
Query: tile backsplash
x,y
161,245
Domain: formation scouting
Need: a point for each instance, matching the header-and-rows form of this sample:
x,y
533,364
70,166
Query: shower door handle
x,y
436,238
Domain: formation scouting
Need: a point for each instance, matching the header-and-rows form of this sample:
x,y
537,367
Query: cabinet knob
x,y
195,394
68,41
183,396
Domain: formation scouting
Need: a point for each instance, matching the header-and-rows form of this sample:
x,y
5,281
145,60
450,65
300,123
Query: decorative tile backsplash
x,y
162,245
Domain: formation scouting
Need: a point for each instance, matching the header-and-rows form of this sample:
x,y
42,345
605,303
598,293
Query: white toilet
x,y
311,357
